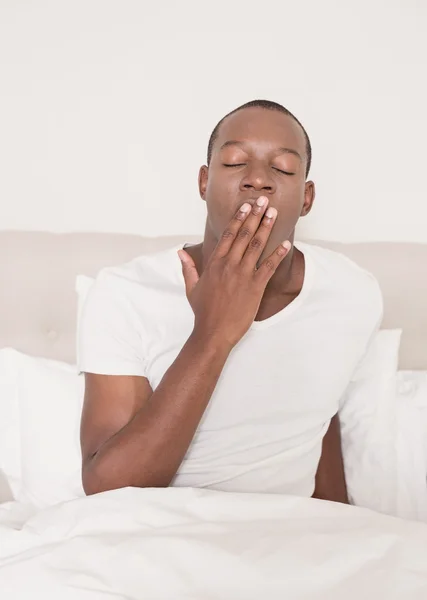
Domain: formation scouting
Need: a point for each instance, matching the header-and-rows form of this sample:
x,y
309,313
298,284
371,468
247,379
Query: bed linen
x,y
206,545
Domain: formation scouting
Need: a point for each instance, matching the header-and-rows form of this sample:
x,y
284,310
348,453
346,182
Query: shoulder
x,y
339,276
146,272
131,290
337,269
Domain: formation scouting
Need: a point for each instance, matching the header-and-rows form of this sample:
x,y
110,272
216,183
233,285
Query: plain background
x,y
107,106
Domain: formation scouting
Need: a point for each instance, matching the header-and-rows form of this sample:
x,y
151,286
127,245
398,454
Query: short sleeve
x,y
109,336
374,318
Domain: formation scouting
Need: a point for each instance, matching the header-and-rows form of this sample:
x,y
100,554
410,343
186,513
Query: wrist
x,y
211,343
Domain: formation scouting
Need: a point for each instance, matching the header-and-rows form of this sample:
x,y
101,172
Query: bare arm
x,y
330,478
132,436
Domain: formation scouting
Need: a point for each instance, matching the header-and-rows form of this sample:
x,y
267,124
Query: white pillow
x,y
412,444
10,440
40,443
368,417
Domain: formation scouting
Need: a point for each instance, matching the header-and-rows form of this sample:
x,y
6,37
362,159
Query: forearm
x,y
148,451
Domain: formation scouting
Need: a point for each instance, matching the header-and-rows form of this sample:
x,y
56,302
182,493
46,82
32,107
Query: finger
x,y
270,264
189,271
230,232
259,240
248,229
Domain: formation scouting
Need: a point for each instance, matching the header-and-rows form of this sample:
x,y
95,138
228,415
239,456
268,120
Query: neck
x,y
285,279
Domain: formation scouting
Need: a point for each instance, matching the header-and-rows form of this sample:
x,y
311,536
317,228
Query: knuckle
x,y
217,263
266,223
213,263
255,244
240,216
227,269
270,264
227,234
244,232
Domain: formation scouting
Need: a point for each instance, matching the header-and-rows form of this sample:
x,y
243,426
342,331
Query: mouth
x,y
253,199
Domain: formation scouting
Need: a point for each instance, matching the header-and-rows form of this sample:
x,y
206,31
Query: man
x,y
225,370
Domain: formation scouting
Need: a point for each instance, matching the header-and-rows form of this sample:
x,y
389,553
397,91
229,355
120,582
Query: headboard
x,y
38,301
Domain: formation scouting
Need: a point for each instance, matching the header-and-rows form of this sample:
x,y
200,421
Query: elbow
x,y
97,478
92,482
91,487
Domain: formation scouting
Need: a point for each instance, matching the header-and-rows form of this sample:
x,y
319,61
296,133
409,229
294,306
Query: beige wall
x,y
106,108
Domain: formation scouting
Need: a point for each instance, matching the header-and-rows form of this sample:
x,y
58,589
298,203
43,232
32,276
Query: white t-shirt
x,y
263,427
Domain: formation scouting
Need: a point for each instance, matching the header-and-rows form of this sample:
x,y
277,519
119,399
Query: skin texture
x,y
131,435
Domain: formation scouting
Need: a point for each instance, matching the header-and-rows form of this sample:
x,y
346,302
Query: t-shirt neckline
x,y
309,268
296,303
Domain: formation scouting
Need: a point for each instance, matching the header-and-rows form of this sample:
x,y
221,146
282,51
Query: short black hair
x,y
268,105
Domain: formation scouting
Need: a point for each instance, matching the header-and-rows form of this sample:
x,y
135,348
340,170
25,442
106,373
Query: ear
x,y
309,194
203,181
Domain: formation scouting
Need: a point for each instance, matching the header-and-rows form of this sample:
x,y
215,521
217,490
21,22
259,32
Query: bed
x,y
194,543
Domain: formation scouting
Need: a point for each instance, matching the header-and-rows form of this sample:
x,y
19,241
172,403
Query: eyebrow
x,y
281,150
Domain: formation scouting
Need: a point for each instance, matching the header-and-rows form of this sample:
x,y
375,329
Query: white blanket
x,y
202,545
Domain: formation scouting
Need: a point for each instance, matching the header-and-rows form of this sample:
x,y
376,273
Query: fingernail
x,y
261,201
245,207
271,212
287,244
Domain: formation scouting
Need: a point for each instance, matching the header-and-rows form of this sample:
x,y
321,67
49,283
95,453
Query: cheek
x,y
221,187
289,209
218,213
221,195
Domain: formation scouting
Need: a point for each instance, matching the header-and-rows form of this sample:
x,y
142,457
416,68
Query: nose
x,y
257,178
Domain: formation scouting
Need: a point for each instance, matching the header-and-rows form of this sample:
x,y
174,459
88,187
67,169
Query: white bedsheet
x,y
203,545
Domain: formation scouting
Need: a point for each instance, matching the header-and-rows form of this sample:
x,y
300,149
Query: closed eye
x,y
284,172
244,164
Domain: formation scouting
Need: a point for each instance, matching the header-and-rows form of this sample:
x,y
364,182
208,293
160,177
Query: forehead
x,y
263,126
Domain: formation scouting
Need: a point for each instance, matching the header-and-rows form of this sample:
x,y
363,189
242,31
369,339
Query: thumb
x,y
191,277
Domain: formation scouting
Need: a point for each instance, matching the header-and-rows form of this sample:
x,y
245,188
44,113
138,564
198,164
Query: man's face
x,y
258,152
